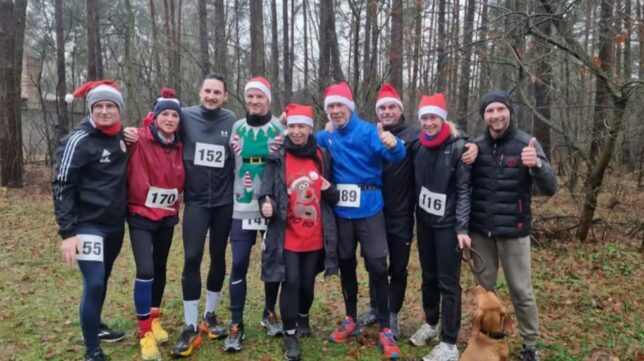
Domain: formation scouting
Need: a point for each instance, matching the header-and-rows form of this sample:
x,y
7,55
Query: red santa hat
x,y
260,83
433,104
299,114
339,93
388,94
98,90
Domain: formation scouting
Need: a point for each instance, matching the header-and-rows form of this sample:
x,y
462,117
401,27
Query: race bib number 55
x,y
349,195
432,203
91,248
210,155
161,198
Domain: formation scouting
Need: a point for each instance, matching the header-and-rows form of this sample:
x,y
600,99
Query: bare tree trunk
x,y
306,44
155,44
93,50
418,20
257,66
203,37
466,63
12,28
220,38
288,60
324,63
357,12
542,88
237,51
62,126
275,59
395,50
131,82
440,81
484,81
335,50
627,158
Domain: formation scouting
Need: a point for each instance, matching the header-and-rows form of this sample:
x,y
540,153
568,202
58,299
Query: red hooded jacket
x,y
155,176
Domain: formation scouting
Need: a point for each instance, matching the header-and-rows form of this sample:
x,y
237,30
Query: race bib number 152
x,y
210,155
432,203
91,248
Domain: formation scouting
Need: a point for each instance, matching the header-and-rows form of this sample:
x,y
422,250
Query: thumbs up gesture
x,y
387,139
529,154
267,208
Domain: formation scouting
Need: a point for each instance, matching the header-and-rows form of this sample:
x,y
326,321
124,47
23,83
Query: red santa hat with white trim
x,y
339,93
96,91
260,83
433,104
387,95
299,114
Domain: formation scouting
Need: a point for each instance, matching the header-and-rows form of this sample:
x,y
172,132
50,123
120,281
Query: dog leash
x,y
468,257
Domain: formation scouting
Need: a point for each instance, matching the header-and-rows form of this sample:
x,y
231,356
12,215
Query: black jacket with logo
x,y
502,185
207,186
90,185
441,170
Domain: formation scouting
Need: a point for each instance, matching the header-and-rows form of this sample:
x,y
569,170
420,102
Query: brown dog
x,y
490,326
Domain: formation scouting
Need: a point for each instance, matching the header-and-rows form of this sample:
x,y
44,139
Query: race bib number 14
x,y
254,224
91,248
210,155
432,203
349,195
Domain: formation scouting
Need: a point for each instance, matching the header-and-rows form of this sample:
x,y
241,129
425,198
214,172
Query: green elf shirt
x,y
251,145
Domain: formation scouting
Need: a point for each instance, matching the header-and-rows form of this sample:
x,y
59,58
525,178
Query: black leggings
x,y
441,265
196,222
151,249
299,287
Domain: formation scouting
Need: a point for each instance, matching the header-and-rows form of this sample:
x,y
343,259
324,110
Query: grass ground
x,y
590,295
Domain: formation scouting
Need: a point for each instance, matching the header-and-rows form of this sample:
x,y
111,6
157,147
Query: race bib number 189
x,y
254,224
210,155
91,248
349,195
161,198
432,203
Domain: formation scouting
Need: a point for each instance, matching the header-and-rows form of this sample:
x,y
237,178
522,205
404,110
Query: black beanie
x,y
493,97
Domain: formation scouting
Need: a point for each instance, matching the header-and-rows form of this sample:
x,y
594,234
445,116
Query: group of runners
x,y
312,197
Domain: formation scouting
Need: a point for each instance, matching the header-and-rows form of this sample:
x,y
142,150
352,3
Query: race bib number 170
x,y
91,248
349,195
210,155
161,198
432,203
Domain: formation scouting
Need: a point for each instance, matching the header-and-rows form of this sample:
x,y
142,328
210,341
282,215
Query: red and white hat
x,y
260,83
433,104
339,93
96,91
388,94
299,114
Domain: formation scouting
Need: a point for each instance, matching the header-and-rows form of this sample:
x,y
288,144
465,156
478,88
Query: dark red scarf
x,y
110,130
437,140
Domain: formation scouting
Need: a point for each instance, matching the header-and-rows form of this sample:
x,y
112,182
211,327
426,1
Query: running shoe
x,y
149,349
210,326
160,335
388,344
348,329
291,347
272,325
235,337
106,334
190,340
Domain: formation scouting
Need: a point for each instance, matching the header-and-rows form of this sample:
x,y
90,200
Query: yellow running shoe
x,y
149,349
160,335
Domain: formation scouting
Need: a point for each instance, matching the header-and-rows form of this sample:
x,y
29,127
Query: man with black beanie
x,y
509,163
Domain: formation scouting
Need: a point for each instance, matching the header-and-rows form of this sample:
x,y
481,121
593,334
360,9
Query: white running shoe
x,y
425,333
442,352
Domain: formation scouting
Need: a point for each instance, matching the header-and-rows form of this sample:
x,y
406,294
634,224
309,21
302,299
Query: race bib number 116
x,y
432,203
91,248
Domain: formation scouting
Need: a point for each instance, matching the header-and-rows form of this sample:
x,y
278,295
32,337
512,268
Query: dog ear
x,y
507,323
476,322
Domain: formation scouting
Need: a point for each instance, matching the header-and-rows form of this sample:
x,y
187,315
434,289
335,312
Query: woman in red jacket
x,y
155,180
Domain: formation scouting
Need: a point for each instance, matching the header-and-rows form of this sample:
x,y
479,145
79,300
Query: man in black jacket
x,y
510,162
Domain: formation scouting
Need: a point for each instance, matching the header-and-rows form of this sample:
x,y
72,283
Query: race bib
x,y
349,195
254,224
91,248
161,198
210,155
432,203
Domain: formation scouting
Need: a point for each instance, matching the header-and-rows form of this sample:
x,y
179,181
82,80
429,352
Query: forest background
x,y
575,70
